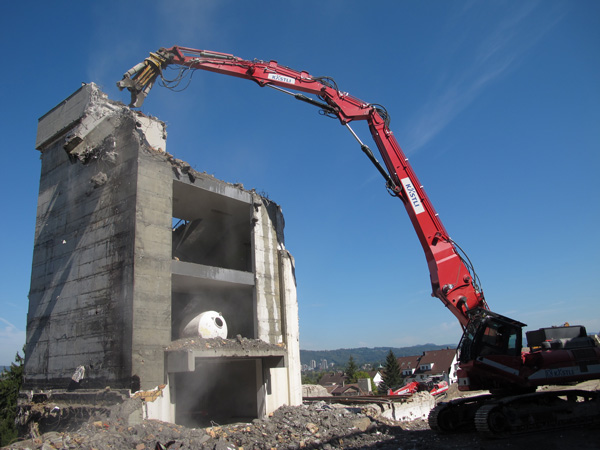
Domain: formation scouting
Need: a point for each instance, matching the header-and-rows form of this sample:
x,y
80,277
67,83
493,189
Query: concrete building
x,y
132,245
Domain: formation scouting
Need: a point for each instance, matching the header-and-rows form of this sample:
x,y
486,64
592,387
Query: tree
x,y
311,377
391,376
351,369
10,384
358,375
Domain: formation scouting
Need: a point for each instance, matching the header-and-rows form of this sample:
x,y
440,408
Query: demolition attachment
x,y
139,79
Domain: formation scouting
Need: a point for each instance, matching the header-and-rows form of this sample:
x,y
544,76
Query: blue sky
x,y
496,103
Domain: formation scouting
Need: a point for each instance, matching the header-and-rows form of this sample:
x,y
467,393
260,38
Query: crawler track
x,y
457,415
537,412
501,417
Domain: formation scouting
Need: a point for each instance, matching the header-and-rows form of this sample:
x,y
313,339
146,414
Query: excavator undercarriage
x,y
501,417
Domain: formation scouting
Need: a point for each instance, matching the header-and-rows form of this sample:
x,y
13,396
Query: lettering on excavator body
x,y
560,372
282,78
413,196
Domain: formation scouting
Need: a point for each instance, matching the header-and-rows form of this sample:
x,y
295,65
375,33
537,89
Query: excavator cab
x,y
489,348
488,333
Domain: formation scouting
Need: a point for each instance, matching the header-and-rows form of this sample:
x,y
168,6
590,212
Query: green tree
x,y
358,375
10,384
392,378
351,369
311,377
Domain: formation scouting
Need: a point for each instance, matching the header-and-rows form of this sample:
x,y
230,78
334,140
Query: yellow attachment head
x,y
139,79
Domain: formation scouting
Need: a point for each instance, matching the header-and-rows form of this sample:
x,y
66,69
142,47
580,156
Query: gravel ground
x,y
315,426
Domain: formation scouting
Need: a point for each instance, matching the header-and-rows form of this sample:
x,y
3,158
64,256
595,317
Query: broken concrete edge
x,y
239,344
62,117
34,419
85,121
39,412
149,395
184,170
106,396
51,400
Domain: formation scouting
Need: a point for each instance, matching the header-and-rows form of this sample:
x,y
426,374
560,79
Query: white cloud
x,y
11,341
191,22
499,52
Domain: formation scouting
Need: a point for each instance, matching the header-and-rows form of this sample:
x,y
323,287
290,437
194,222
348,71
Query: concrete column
x,y
266,271
81,284
289,307
100,284
151,328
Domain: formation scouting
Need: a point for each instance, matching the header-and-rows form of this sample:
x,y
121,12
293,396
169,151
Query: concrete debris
x,y
79,374
86,121
314,390
99,179
315,426
239,342
150,395
417,407
92,136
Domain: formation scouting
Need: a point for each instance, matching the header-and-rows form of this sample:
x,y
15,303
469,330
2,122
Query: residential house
x,y
437,364
349,390
376,376
333,379
408,365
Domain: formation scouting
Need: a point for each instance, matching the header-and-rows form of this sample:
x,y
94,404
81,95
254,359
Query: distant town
x,y
424,367
365,358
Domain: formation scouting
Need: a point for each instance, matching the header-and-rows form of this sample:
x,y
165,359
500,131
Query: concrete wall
x,y
100,285
80,302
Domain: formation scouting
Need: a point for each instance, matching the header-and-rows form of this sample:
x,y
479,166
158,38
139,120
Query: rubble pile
x,y
316,426
309,426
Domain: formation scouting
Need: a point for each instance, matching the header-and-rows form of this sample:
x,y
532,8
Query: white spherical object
x,y
209,324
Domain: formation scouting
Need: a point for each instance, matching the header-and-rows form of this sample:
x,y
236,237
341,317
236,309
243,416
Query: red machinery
x,y
414,386
491,353
439,388
407,389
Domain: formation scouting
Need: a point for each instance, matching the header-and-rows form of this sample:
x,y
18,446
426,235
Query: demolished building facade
x,y
133,245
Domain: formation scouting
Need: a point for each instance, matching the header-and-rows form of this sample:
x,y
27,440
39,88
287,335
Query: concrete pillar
x,y
95,293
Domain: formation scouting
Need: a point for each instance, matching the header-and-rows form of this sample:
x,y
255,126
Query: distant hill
x,y
364,355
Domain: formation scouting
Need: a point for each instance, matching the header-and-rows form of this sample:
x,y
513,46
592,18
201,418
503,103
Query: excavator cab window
x,y
487,334
499,338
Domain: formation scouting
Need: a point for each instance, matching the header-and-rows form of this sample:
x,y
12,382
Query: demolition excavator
x,y
492,355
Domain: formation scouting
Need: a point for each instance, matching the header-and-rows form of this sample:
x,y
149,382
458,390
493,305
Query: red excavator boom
x,y
453,280
492,354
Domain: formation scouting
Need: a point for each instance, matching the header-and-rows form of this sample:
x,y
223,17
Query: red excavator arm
x,y
452,278
491,352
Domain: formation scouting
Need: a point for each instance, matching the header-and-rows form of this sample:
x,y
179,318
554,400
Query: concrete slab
x,y
64,116
183,353
185,361
187,276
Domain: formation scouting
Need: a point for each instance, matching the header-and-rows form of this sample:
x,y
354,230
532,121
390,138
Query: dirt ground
x,y
316,425
156,435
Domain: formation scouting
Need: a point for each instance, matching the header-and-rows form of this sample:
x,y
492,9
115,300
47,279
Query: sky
x,y
495,103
